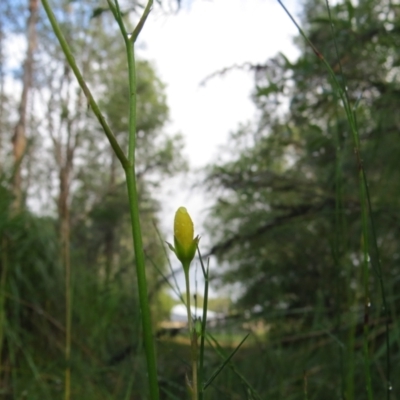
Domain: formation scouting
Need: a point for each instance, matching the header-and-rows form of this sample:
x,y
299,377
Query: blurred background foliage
x,y
70,191
285,226
286,223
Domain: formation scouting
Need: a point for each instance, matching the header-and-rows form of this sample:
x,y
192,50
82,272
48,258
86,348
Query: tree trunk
x,y
64,221
19,137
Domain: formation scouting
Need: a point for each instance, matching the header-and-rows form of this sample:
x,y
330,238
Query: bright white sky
x,y
204,37
201,39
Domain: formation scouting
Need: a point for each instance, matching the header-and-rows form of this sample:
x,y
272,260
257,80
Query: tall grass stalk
x,y
203,324
4,270
226,359
128,164
185,249
347,369
193,339
66,260
366,208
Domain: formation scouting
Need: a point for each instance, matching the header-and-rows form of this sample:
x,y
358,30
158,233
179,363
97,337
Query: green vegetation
x,y
306,219
305,216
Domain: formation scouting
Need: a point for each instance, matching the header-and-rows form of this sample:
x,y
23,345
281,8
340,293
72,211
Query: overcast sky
x,y
204,37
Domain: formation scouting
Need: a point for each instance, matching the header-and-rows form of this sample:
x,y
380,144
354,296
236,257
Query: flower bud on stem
x,y
185,249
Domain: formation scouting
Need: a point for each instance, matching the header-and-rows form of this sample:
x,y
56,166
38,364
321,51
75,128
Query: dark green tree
x,y
292,179
287,221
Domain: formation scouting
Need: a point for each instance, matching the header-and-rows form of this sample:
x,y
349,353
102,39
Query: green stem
x,y
142,283
130,52
382,289
203,327
142,21
68,307
129,166
71,61
350,367
193,336
134,209
367,301
3,279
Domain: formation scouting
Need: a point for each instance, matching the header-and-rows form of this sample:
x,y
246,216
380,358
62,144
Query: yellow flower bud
x,y
183,228
185,243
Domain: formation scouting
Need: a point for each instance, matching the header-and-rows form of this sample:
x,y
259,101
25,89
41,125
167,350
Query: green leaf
x,y
222,366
